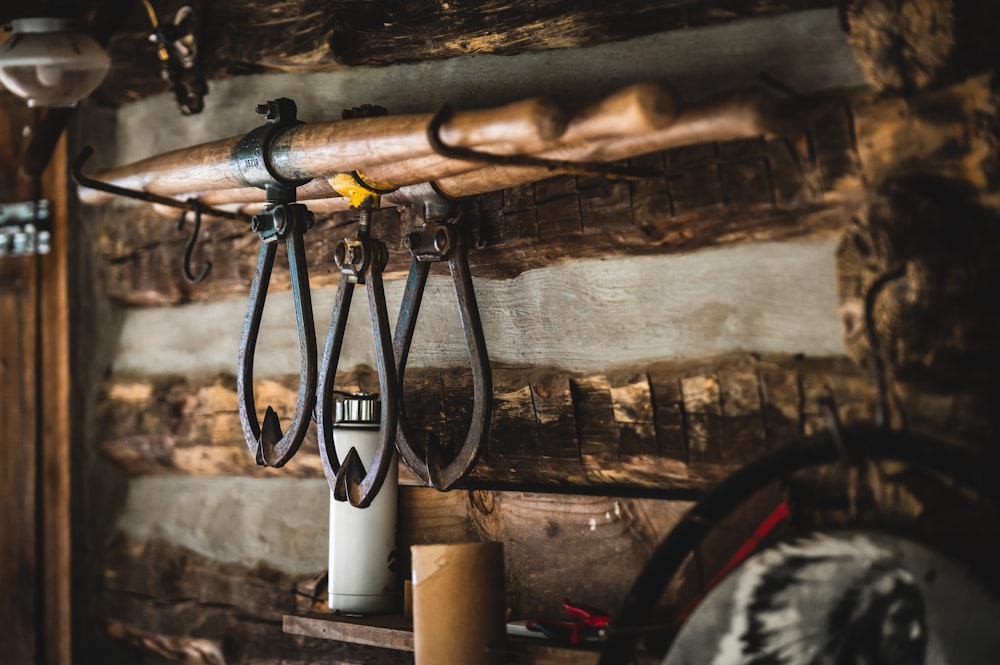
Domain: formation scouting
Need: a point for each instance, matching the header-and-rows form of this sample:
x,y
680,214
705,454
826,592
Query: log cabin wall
x,y
646,337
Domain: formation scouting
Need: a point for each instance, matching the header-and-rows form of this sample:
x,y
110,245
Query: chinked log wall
x,y
627,364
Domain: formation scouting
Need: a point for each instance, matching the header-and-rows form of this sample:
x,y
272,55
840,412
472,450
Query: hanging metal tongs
x,y
361,260
281,222
439,240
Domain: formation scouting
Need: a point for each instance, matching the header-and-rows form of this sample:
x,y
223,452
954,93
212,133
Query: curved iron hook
x,y
149,197
882,415
267,443
435,242
600,169
361,261
189,247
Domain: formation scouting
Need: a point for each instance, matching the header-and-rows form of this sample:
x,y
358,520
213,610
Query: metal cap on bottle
x,y
359,409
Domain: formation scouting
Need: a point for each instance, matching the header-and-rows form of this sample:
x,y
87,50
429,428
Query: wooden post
x,y
35,552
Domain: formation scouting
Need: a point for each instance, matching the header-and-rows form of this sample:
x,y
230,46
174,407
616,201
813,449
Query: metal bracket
x,y
24,228
252,156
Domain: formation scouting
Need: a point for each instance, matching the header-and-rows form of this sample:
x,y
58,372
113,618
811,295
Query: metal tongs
x,y
437,241
281,221
361,260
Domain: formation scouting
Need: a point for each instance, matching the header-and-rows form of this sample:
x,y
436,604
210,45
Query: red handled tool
x,y
584,621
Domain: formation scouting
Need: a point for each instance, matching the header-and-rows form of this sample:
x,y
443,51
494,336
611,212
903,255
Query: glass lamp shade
x,y
48,63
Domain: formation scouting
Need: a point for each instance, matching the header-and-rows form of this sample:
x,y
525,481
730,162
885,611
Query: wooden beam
x,y
391,632
19,526
397,633
673,427
310,36
56,437
35,547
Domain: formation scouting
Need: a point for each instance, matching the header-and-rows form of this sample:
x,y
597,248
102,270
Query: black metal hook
x,y
564,166
437,242
882,417
149,197
189,247
361,260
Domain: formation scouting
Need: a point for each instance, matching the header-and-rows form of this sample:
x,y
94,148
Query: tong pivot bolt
x,y
353,257
432,242
279,219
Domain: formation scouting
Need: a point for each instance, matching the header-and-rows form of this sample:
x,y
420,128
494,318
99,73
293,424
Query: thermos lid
x,y
358,409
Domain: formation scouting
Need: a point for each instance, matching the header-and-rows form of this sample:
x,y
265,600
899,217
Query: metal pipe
x,y
302,152
402,155
741,115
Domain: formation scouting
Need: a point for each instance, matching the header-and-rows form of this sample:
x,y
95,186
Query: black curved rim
x,y
959,463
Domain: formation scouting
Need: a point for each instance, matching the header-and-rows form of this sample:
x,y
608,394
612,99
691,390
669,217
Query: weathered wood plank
x,y
19,421
35,540
18,524
391,632
668,425
306,35
397,633
932,221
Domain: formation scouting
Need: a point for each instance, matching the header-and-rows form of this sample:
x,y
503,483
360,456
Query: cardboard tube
x,y
458,604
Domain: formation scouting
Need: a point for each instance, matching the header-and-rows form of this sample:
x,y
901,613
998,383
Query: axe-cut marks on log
x,y
665,426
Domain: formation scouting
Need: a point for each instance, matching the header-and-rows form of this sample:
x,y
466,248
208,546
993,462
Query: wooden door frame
x,y
37,440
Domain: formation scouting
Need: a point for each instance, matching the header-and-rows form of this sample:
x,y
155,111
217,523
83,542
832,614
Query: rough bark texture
x,y
311,35
911,45
664,429
902,45
930,228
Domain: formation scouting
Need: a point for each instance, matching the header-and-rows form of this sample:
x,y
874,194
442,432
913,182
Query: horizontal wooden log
x,y
807,51
670,428
305,35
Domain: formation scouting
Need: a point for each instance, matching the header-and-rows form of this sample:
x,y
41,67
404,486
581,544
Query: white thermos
x,y
363,540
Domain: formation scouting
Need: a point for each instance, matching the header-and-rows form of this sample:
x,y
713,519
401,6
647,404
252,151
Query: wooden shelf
x,y
388,632
395,632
